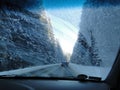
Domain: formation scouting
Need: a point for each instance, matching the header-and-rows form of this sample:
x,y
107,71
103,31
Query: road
x,y
56,70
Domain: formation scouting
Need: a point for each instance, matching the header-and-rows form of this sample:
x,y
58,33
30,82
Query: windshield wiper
x,y
84,77
81,77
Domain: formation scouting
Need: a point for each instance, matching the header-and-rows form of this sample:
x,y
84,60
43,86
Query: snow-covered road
x,y
56,70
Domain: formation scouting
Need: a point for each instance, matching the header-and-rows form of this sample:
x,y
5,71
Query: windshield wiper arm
x,y
84,77
81,77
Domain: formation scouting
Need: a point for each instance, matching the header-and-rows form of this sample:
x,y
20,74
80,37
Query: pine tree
x,y
95,59
81,51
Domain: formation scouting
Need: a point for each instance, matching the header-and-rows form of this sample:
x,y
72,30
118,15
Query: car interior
x,y
59,45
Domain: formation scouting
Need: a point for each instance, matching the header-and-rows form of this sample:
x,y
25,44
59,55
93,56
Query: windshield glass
x,y
59,38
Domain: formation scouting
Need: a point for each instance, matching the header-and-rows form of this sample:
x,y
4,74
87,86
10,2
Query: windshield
x,y
59,38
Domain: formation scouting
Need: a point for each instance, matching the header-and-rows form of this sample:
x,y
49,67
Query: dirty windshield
x,y
59,38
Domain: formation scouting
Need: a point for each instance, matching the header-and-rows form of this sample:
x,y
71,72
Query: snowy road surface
x,y
56,70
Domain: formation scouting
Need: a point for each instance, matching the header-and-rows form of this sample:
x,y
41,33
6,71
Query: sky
x,y
62,3
65,19
65,27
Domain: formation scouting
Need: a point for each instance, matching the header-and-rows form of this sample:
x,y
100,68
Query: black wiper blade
x,y
19,77
80,77
84,77
95,78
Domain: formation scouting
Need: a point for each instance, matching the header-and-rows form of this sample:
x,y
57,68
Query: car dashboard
x,y
51,85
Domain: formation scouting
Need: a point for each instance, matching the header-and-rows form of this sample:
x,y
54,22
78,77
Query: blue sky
x,y
62,3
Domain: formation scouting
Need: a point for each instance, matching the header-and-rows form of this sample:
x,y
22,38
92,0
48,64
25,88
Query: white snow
x,y
89,70
104,22
26,70
56,70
